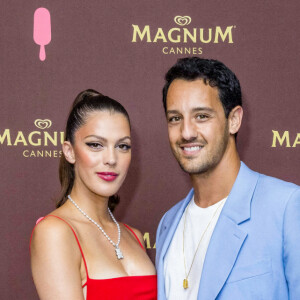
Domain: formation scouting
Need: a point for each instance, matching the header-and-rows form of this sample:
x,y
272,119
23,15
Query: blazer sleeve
x,y
291,244
158,231
158,241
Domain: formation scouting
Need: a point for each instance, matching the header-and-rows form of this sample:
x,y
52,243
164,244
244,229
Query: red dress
x,y
120,288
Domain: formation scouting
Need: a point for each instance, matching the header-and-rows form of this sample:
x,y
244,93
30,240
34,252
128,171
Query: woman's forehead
x,y
107,124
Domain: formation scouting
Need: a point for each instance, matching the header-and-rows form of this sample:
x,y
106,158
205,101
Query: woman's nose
x,y
110,157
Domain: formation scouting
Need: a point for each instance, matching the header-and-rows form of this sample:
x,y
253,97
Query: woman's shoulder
x,y
55,258
51,223
52,231
137,233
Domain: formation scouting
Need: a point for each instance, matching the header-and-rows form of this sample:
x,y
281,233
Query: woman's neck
x,y
95,206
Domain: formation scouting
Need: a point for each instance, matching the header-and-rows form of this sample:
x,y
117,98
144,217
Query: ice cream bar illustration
x,y
42,29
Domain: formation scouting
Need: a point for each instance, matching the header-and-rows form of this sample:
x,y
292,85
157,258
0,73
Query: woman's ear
x,y
235,119
68,152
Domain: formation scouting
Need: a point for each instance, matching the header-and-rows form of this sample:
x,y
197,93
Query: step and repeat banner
x,y
52,50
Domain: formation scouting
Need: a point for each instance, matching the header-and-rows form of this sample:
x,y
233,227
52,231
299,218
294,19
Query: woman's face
x,y
102,153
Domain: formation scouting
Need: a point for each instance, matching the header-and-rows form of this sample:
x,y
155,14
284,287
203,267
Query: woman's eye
x,y
174,119
124,147
94,145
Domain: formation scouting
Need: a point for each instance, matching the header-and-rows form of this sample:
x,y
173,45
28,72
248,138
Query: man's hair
x,y
214,73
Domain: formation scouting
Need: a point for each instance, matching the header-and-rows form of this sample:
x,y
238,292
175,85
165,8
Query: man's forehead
x,y
192,94
196,81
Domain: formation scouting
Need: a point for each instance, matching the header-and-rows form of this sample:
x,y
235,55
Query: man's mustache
x,y
193,140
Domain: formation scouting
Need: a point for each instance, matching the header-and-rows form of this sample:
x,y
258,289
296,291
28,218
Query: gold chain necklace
x,y
185,280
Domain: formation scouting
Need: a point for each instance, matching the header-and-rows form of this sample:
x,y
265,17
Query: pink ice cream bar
x,y
42,29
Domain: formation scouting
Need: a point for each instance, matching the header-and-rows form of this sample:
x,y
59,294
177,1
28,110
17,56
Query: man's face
x,y
197,126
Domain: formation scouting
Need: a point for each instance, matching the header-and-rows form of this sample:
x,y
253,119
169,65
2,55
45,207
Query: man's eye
x,y
201,117
94,145
124,147
174,119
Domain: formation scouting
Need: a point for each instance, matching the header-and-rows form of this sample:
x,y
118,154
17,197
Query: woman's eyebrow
x,y
97,137
104,139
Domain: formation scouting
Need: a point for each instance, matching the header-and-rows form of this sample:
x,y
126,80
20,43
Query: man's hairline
x,y
191,80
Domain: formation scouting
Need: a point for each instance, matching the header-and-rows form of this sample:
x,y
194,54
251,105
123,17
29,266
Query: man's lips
x,y
190,149
107,176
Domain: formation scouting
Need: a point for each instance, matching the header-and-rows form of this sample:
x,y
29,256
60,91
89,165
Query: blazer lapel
x,y
228,237
168,229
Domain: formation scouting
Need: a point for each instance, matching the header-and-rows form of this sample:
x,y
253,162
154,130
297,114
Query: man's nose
x,y
188,130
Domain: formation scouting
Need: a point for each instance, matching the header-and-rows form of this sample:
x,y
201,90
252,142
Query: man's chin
x,y
195,168
190,169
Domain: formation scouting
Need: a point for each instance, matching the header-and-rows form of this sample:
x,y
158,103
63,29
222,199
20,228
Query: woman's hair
x,y
84,104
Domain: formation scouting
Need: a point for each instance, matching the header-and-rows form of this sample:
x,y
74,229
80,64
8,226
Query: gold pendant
x,y
185,283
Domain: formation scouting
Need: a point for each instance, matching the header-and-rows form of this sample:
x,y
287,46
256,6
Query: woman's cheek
x,y
87,159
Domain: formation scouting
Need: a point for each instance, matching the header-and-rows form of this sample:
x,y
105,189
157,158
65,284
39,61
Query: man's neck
x,y
216,184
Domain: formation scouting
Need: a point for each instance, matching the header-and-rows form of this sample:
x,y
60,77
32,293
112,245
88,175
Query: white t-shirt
x,y
197,219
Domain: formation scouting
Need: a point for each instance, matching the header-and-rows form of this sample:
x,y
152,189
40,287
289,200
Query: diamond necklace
x,y
119,253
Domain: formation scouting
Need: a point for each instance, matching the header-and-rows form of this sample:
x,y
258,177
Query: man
x,y
237,233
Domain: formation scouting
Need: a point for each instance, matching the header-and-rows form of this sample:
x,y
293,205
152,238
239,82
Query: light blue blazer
x,y
254,252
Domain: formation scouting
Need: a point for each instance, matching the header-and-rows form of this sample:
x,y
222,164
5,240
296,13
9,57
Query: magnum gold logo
x,y
284,140
42,124
148,244
37,143
178,35
182,21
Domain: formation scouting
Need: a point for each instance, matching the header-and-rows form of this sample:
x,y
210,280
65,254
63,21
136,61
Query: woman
x,y
79,251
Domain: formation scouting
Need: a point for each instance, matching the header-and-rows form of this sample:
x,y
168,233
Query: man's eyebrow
x,y
196,109
125,138
172,112
208,109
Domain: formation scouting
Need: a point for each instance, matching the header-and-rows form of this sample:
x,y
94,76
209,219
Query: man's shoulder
x,y
169,215
272,184
174,209
276,185
275,191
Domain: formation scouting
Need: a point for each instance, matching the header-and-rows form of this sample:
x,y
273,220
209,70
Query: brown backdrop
x,y
92,47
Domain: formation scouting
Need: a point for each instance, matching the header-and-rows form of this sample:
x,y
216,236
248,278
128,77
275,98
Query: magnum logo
x,y
284,139
184,35
182,21
148,244
44,140
42,124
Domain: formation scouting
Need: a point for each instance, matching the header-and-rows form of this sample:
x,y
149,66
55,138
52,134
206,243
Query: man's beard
x,y
206,163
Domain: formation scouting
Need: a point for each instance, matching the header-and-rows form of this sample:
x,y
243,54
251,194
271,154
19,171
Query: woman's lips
x,y
107,176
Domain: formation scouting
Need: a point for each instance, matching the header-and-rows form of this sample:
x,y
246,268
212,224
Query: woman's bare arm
x,y
56,261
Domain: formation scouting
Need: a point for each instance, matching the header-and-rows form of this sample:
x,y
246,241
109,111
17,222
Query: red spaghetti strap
x,y
40,219
134,235
36,223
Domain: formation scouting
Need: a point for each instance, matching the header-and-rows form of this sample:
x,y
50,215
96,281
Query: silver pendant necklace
x,y
118,251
